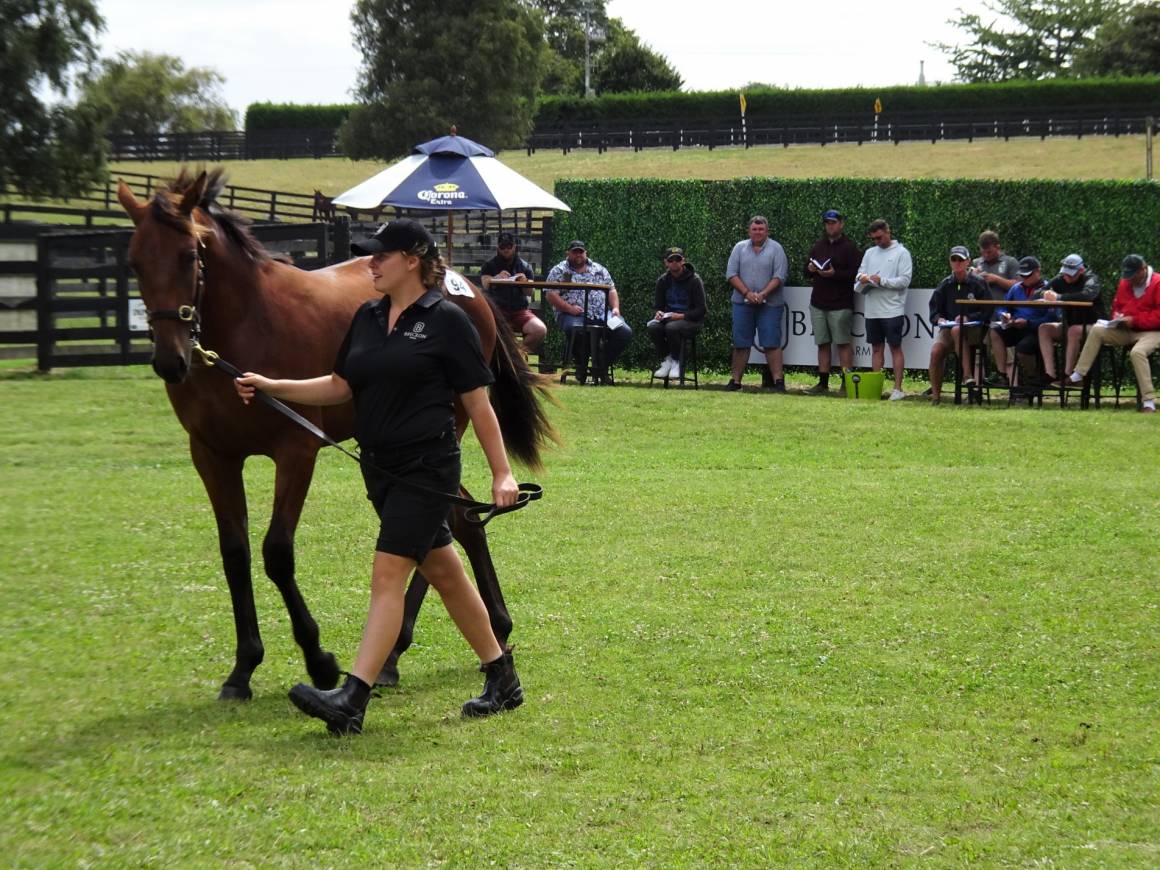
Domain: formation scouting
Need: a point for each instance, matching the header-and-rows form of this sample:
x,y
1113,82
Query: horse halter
x,y
185,313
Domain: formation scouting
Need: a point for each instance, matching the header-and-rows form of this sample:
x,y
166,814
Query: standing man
x,y
999,270
513,301
757,271
679,306
1135,321
1018,326
883,278
1074,283
576,268
951,319
833,262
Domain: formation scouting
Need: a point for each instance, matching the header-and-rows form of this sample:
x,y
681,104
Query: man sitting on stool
x,y
1018,326
950,318
1135,321
508,265
1074,283
679,300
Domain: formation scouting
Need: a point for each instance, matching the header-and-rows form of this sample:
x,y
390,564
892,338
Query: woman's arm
x,y
327,390
503,485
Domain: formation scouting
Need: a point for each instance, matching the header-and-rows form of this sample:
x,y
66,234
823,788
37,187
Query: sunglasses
x,y
674,259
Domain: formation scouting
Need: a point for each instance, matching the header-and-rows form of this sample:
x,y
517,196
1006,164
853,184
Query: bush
x,y
289,116
627,223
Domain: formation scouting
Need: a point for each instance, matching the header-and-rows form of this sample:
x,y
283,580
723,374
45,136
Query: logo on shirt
x,y
416,331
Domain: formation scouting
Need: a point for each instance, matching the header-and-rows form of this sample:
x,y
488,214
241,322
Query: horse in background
x,y
324,209
201,273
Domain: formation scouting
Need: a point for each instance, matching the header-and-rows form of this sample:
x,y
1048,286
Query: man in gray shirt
x,y
757,273
999,270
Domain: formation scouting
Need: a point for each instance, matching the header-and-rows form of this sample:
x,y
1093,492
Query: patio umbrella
x,y
450,173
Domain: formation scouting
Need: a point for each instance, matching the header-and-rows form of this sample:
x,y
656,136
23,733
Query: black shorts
x,y
413,523
1025,340
885,329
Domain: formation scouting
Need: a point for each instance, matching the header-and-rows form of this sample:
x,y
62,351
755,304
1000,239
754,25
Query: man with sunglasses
x,y
679,305
508,265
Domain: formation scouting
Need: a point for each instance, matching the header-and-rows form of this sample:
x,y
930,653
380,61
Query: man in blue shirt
x,y
757,272
1018,326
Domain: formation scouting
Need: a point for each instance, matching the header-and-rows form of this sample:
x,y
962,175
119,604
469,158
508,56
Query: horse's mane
x,y
233,226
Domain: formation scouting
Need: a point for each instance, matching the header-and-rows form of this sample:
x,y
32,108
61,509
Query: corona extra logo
x,y
447,187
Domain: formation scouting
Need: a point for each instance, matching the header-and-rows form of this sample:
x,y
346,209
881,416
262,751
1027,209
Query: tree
x,y
145,94
47,148
1128,46
1037,39
619,60
627,64
424,70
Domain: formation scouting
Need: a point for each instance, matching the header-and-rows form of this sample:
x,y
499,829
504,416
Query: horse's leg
x,y
222,477
416,592
294,471
473,539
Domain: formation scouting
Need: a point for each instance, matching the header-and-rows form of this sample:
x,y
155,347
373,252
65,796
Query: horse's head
x,y
165,255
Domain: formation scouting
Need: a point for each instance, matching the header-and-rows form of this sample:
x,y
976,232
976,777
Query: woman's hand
x,y
246,384
504,490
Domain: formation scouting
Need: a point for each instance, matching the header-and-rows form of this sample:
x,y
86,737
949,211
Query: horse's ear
x,y
129,202
193,195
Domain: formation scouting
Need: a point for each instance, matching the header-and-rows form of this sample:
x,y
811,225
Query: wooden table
x,y
1002,303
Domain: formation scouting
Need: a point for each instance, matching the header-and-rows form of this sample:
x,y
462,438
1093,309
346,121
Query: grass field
x,y
1090,158
754,630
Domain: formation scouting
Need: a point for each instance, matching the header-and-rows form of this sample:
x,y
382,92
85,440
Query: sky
x,y
301,51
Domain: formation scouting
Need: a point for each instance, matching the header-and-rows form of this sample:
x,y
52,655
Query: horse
x,y
324,209
204,278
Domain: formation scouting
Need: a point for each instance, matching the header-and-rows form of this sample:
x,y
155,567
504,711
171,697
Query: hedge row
x,y
773,102
626,224
290,116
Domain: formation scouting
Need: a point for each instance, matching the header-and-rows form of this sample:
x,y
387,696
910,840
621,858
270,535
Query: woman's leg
x,y
444,571
385,614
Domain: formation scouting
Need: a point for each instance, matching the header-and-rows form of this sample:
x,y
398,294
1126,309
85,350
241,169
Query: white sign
x,y
137,316
797,332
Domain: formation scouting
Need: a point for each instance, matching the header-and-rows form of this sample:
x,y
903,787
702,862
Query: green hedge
x,y
290,116
626,224
1061,93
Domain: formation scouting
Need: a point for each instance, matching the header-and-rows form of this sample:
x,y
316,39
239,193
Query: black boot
x,y
501,689
341,709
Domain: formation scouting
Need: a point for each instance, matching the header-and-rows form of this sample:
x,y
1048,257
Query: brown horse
x,y
200,270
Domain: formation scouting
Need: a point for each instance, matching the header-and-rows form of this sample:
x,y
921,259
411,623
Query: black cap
x,y
1027,265
505,238
673,252
1132,264
400,235
831,215
577,245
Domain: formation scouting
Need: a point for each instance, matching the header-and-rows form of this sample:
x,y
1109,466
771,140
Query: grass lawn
x,y
1090,158
754,630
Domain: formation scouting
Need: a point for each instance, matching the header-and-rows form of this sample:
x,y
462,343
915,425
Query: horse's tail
x,y
517,397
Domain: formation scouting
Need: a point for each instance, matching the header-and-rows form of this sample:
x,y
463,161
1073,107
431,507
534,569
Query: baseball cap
x,y
960,252
505,238
1132,264
832,215
673,252
1070,265
400,235
1027,265
577,245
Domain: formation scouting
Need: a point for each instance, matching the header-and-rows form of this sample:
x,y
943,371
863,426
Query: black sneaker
x,y
818,389
779,386
340,708
732,387
998,380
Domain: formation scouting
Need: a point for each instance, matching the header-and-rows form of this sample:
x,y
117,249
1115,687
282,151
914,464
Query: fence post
x,y
1149,123
43,308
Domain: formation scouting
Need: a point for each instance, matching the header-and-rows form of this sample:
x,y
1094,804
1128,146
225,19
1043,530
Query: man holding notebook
x,y
833,263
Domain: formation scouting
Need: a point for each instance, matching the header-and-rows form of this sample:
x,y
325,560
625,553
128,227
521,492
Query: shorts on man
x,y
765,320
885,329
831,327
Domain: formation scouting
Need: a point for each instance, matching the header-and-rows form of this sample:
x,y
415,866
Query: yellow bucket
x,y
865,385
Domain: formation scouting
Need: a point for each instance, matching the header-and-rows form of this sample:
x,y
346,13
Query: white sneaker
x,y
675,371
896,395
666,367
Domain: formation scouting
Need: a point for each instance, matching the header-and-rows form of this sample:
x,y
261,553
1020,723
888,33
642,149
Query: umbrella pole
x,y
450,229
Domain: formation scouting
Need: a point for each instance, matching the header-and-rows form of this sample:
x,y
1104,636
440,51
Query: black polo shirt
x,y
404,383
508,298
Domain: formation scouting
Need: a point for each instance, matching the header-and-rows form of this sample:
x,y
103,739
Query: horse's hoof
x,y
324,672
388,676
235,693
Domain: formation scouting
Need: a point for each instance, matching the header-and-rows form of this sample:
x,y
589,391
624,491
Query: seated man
x,y
679,301
1074,283
513,301
1135,321
1018,327
951,318
573,305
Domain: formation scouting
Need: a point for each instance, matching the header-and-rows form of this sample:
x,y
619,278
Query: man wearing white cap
x,y
1074,283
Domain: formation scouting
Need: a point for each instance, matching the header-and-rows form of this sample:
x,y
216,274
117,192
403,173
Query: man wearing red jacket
x,y
1135,321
